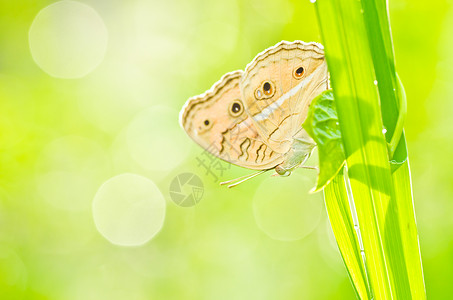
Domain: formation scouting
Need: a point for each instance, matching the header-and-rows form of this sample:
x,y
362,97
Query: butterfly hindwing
x,y
218,122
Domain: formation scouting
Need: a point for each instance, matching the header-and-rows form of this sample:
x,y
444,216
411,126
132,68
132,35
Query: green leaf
x,y
322,125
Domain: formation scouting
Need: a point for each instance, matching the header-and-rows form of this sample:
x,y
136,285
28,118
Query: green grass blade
x,y
379,38
339,59
393,103
337,204
350,61
402,180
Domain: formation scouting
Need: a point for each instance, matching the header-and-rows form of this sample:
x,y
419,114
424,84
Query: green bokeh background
x,y
266,239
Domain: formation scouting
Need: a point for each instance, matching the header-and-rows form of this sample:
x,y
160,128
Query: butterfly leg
x,y
310,167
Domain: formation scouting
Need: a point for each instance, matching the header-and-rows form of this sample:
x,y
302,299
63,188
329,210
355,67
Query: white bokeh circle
x,y
129,210
69,170
284,209
68,39
155,140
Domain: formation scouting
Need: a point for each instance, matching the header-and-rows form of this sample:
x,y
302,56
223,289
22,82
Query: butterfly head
x,y
280,170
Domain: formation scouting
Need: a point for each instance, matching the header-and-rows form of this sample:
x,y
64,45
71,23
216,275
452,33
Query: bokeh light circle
x,y
69,171
284,209
129,210
155,140
68,39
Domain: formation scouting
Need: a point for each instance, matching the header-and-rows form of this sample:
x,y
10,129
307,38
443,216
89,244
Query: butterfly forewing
x,y
277,88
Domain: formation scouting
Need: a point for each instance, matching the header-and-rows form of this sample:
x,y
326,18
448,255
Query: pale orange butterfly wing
x,y
218,122
278,86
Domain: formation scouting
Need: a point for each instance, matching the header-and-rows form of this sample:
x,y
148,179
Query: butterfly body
x,y
300,151
253,118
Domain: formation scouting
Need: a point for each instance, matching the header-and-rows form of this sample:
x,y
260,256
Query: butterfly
x,y
253,118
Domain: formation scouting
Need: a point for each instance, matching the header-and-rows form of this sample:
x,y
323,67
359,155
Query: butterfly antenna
x,y
242,179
